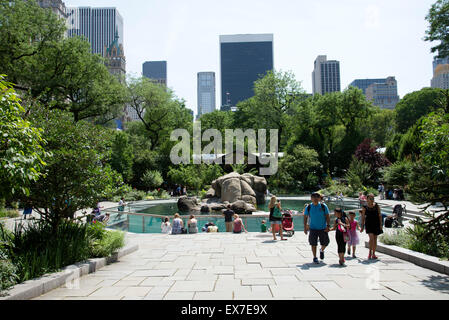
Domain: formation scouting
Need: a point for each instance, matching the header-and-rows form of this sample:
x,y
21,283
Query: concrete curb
x,y
420,259
37,287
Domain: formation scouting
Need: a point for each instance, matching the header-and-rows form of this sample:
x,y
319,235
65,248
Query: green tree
x,y
71,78
26,30
21,145
398,174
152,179
379,127
297,170
438,17
416,105
122,155
77,175
274,97
158,110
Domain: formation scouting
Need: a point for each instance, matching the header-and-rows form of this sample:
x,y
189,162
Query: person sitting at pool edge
x,y
192,225
263,226
178,224
238,225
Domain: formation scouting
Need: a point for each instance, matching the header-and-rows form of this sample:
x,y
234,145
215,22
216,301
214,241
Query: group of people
x,y
233,224
390,194
178,191
317,225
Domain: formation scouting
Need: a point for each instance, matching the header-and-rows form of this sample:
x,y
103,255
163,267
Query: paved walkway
x,y
249,267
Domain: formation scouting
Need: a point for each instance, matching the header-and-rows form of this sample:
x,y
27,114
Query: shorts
x,y
276,222
314,235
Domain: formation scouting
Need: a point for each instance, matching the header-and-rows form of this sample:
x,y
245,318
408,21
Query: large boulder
x,y
241,207
186,204
231,190
210,194
246,189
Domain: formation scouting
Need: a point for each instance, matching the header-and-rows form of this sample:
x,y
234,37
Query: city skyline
x,y
370,39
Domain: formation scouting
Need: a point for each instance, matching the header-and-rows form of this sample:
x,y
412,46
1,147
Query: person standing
x,y
340,226
121,204
318,214
228,214
275,217
353,236
372,222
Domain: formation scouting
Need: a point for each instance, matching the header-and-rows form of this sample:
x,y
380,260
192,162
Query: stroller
x,y
395,221
287,223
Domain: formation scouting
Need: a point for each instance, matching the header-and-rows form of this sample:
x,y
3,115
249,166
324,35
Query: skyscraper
x,y
206,92
326,76
244,59
384,94
99,26
365,83
440,73
156,71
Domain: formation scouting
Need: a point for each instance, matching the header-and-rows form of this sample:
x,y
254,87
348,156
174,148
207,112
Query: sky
x,y
370,38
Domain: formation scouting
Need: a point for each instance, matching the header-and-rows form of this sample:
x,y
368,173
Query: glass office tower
x,y
244,59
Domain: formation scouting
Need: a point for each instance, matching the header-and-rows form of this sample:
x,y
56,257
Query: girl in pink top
x,y
238,225
353,236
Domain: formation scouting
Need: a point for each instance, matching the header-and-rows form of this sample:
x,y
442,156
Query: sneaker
x,y
315,260
321,255
349,251
374,257
354,256
369,256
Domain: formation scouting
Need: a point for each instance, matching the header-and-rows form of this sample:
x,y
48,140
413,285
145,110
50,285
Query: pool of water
x,y
150,224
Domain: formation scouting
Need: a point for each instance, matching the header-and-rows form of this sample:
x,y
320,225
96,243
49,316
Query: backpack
x,y
322,208
277,213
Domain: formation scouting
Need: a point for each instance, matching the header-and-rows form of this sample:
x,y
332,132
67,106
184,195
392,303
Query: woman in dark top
x,y
372,222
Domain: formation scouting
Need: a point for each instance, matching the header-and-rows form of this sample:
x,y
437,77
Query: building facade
x,y
115,59
244,58
206,92
326,76
156,71
98,25
440,73
57,6
365,83
441,77
384,94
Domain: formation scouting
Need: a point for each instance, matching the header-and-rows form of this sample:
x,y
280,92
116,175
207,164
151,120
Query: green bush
x,y
152,179
36,249
110,242
8,272
396,238
9,213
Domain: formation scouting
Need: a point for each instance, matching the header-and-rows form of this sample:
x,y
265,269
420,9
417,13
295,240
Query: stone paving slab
x,y
251,267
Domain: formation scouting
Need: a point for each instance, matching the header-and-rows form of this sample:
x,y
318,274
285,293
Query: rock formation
x,y
242,192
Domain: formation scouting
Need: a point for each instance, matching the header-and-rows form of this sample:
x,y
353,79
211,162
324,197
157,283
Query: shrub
x,y
109,243
37,249
8,213
396,238
8,272
152,179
